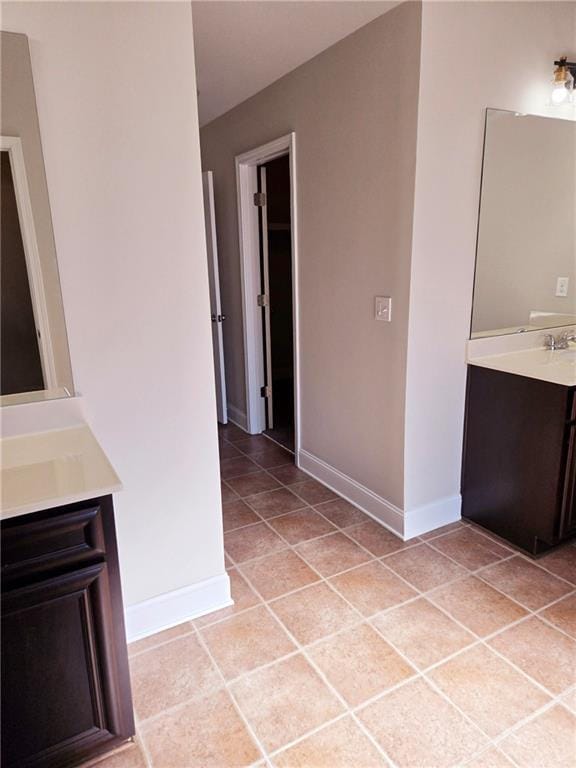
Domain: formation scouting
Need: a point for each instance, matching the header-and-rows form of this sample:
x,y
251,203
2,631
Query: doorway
x,y
275,231
266,188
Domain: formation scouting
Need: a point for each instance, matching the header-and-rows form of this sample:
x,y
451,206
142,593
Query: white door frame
x,y
247,186
13,145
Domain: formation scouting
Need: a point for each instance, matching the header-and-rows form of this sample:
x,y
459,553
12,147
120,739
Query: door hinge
x,y
262,300
259,199
265,391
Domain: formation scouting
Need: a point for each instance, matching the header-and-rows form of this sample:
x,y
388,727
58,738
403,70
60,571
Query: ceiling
x,y
244,45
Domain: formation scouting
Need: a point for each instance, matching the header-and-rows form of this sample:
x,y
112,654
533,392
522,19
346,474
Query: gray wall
x,y
354,111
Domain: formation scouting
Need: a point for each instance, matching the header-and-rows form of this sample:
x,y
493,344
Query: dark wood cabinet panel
x,y
65,685
519,460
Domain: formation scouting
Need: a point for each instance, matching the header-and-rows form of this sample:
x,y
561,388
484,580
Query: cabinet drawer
x,y
51,542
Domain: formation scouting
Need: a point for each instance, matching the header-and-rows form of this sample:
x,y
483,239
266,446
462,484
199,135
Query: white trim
x,y
172,608
13,146
381,510
238,418
246,186
428,517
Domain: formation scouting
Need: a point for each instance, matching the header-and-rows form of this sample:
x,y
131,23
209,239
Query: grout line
x,y
247,724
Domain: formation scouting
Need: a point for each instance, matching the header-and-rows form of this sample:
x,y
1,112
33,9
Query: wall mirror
x,y
34,358
526,250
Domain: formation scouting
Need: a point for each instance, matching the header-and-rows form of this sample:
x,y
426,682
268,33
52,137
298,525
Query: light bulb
x,y
563,83
560,94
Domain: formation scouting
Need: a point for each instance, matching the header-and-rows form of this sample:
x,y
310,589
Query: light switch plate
x,y
383,308
562,286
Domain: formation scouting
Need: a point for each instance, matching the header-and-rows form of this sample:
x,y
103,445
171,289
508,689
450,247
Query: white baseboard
x,y
431,516
172,608
237,417
383,511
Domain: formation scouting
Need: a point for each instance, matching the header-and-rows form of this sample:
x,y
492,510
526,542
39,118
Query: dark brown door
x,y
65,687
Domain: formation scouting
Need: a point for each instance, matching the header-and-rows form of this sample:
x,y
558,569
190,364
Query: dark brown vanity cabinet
x,y
65,684
519,470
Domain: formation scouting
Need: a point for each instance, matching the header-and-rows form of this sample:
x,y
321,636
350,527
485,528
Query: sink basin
x,y
556,366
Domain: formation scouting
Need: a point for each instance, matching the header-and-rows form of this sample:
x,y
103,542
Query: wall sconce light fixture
x,y
563,83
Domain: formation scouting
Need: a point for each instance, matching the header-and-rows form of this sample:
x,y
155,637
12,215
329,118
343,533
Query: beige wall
x,y
18,117
527,231
355,124
117,107
505,53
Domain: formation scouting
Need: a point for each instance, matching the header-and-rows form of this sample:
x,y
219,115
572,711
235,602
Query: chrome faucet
x,y
559,342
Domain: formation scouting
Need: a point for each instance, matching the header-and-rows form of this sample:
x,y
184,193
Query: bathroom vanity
x,y
519,455
65,681
519,469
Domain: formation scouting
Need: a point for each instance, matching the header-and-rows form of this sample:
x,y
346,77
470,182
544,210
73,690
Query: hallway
x,y
348,647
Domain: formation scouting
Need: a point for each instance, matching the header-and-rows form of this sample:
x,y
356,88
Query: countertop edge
x,y
59,501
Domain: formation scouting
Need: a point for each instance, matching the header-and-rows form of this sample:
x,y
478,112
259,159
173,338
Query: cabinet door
x,y
62,692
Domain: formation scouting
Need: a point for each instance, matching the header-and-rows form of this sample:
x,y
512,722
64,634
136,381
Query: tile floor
x,y
348,648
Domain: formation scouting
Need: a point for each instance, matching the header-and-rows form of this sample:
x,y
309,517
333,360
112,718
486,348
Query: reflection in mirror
x,y
526,251
21,360
34,357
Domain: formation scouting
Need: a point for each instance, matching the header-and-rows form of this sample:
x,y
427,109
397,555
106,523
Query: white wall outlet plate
x,y
383,308
562,286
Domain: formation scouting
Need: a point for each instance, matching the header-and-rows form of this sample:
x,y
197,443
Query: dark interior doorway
x,y
20,363
277,315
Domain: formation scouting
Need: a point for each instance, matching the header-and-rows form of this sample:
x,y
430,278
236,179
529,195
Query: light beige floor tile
x,y
205,733
339,745
170,674
470,548
313,492
548,741
254,444
242,465
278,574
257,482
527,583
274,503
442,530
541,651
243,595
254,541
237,514
246,641
332,554
232,433
289,475
313,613
418,728
273,457
342,513
372,588
569,700
491,758
284,701
360,664
301,525
159,637
491,692
130,756
228,451
423,567
563,614
422,632
562,562
227,493
476,605
376,539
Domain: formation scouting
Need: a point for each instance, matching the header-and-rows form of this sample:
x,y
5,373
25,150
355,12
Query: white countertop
x,y
51,468
556,367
